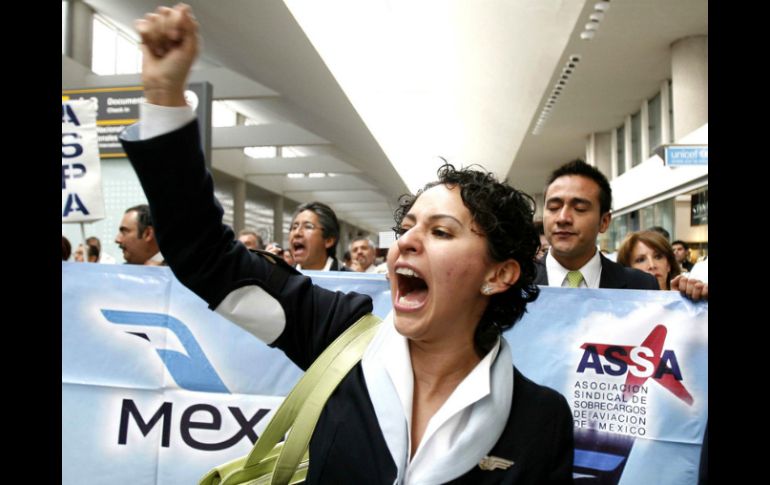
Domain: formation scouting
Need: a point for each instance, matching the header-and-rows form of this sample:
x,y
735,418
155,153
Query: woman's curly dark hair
x,y
505,217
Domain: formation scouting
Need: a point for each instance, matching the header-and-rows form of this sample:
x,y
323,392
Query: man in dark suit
x,y
578,198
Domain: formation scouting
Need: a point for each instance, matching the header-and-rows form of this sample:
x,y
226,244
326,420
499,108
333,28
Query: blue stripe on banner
x,y
597,461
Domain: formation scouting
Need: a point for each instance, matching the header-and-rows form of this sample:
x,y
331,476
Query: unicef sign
x,y
680,156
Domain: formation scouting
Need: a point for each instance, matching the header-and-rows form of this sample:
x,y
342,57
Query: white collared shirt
x,y
451,417
700,271
158,258
557,274
327,266
456,421
157,120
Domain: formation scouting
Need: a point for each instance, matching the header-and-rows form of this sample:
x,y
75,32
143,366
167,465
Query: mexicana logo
x,y
638,363
191,370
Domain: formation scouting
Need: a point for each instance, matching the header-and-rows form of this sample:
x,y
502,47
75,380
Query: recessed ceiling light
x,y
587,35
596,16
602,6
592,26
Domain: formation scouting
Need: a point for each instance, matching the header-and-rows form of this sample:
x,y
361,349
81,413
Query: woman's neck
x,y
438,366
438,370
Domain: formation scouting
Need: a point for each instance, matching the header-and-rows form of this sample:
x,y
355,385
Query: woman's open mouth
x,y
412,289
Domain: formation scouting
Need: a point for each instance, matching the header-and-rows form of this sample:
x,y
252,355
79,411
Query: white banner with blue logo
x,y
157,389
633,366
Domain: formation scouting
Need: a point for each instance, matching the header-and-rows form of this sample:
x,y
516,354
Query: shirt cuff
x,y
157,120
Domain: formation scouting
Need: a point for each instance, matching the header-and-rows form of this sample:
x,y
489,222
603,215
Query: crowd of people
x,y
577,205
313,238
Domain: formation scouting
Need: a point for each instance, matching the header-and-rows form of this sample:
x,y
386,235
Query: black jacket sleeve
x,y
203,254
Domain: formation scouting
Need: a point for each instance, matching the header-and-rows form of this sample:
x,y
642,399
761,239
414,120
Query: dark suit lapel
x,y
612,275
541,274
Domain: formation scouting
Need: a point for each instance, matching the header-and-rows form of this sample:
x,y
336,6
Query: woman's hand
x,y
690,287
170,46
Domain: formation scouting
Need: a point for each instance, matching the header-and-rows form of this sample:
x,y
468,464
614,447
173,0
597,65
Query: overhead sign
x,y
118,107
81,177
686,155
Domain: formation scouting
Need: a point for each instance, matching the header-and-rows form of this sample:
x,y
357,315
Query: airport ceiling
x,y
375,91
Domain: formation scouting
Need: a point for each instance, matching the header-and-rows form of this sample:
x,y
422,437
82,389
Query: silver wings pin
x,y
493,462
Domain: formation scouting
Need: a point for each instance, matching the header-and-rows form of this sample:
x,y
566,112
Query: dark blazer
x,y
614,275
348,445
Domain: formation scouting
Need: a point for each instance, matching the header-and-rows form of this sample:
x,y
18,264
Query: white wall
x,y
689,84
73,74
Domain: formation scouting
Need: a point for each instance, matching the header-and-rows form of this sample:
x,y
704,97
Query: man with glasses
x,y
313,237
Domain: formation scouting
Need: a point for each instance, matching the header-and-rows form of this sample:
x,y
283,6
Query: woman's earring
x,y
486,289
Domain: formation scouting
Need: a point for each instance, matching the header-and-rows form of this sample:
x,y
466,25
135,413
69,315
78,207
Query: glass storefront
x,y
685,217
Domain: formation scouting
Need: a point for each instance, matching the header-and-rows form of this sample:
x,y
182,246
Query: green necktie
x,y
574,278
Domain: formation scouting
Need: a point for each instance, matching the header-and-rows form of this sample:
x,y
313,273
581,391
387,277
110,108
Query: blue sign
x,y
682,155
